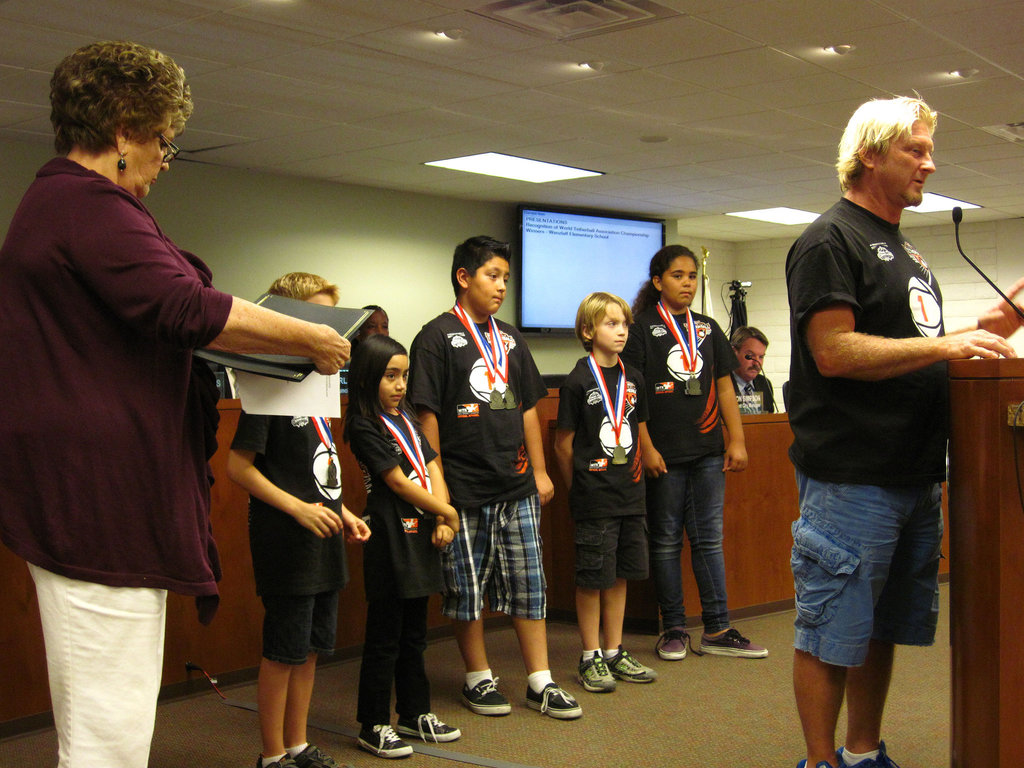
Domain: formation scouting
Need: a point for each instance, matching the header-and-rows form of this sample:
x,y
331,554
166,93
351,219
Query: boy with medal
x,y
289,466
475,388
602,410
687,364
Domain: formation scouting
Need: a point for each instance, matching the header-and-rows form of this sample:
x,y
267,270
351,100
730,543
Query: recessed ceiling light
x,y
963,74
451,34
511,167
777,215
933,203
840,50
595,66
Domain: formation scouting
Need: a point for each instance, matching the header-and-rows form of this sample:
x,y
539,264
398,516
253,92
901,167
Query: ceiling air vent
x,y
1011,131
567,19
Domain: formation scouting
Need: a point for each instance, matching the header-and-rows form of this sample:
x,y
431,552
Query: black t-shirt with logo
x,y
683,427
482,449
601,488
889,432
287,558
399,560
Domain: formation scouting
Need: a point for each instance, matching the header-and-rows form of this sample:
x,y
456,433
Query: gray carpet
x,y
702,711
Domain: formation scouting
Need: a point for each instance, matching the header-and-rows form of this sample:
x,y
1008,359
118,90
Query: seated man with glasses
x,y
754,392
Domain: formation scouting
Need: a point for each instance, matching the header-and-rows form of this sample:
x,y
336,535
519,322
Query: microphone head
x,y
958,214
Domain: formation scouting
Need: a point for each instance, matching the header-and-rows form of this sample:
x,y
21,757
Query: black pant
x,y
396,637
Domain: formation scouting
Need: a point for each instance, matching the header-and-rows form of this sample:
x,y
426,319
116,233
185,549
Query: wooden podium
x,y
986,522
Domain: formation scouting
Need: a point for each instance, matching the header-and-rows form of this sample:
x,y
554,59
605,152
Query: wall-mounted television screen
x,y
565,254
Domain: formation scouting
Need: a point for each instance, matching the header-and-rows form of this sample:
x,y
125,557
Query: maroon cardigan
x,y
104,424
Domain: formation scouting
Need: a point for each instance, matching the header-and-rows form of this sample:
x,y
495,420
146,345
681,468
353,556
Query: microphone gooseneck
x,y
958,215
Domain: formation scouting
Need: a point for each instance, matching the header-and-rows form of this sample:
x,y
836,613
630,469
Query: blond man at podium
x,y
868,404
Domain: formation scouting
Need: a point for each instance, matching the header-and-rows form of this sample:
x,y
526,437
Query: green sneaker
x,y
594,676
624,666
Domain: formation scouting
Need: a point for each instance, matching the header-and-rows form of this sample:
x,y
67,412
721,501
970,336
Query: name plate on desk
x,y
751,404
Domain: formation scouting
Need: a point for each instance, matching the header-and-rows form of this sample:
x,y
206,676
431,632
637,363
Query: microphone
x,y
958,216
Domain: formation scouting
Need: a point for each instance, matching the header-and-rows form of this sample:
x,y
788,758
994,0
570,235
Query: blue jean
x,y
689,498
865,566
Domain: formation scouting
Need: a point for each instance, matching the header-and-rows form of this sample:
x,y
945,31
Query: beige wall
x,y
394,248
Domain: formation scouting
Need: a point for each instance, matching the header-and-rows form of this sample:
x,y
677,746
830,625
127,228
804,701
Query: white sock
x,y
475,678
612,653
265,761
293,751
588,655
539,680
852,758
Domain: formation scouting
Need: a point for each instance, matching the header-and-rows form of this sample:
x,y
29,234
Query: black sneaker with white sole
x,y
484,698
554,702
383,742
428,728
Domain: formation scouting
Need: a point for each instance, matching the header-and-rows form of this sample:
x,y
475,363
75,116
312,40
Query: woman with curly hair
x,y
108,422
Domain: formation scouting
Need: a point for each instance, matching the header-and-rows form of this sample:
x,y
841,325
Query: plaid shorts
x,y
498,552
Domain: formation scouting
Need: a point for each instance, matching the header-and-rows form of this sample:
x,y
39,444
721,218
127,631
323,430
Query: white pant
x,y
104,655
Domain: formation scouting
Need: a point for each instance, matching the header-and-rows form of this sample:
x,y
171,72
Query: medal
x,y
323,431
616,412
495,358
497,401
687,346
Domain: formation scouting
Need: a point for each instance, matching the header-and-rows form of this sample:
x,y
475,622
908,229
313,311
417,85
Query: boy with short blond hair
x,y
602,411
297,523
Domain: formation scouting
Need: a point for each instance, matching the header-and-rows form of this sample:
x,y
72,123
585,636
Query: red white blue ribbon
x,y
618,415
323,431
494,354
410,446
688,346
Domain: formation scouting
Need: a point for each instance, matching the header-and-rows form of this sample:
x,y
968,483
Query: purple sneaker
x,y
731,643
882,761
671,646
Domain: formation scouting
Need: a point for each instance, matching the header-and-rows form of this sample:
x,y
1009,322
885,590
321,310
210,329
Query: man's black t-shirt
x,y
889,432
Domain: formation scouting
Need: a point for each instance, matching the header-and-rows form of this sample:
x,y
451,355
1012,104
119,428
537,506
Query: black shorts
x,y
295,626
610,548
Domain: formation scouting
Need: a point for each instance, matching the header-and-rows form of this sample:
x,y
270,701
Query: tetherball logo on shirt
x,y
322,459
924,307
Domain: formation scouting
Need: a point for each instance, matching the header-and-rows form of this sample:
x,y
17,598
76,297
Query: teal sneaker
x,y
594,676
624,666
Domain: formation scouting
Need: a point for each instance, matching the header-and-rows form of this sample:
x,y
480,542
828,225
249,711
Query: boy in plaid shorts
x,y
475,387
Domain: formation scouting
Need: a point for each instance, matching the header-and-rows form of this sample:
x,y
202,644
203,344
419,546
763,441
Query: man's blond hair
x,y
873,127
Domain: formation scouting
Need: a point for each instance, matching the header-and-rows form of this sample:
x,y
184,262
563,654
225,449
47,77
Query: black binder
x,y
344,320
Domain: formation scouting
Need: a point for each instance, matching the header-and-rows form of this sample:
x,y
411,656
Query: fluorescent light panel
x,y
933,203
511,167
777,215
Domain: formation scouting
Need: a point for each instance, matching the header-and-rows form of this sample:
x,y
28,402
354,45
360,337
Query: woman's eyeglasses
x,y
170,149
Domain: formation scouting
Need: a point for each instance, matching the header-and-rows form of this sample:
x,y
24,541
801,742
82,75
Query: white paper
x,y
316,395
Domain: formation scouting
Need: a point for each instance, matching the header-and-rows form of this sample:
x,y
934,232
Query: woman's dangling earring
x,y
121,164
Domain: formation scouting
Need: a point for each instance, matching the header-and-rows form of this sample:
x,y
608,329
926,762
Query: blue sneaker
x,y
823,763
882,761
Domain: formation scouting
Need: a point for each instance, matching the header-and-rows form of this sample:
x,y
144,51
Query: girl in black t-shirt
x,y
410,517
